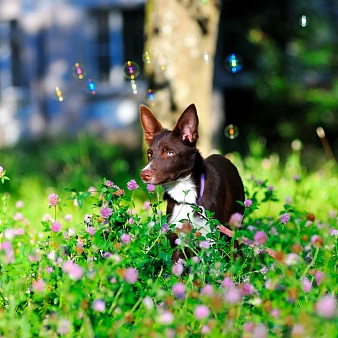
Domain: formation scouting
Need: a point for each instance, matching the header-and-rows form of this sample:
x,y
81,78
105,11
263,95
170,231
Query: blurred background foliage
x,y
287,88
78,163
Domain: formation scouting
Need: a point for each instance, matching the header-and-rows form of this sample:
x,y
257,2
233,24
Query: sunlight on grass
x,y
106,270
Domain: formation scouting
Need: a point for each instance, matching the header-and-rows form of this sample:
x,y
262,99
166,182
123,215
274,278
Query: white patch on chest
x,y
184,191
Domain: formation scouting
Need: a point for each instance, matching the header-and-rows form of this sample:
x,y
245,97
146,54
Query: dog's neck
x,y
184,190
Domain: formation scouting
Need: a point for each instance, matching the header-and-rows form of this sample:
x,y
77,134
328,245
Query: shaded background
x,y
288,85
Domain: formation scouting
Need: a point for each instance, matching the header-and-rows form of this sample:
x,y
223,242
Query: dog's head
x,y
171,152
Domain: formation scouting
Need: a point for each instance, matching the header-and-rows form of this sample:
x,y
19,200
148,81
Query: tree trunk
x,y
181,41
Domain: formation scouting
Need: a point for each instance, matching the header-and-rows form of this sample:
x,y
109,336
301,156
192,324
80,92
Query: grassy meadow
x,y
84,252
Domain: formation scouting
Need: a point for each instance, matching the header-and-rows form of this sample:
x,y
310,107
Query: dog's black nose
x,y
146,175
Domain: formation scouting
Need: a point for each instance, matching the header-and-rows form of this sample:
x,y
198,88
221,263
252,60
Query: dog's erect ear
x,y
149,123
187,126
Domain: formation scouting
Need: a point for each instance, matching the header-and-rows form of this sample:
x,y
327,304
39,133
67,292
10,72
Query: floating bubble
x,y
79,71
133,86
59,95
233,63
91,86
150,97
206,57
303,21
162,62
146,57
131,70
231,131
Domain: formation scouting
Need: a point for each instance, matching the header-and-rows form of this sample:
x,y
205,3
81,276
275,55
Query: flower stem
x,y
160,274
115,299
154,242
311,263
136,305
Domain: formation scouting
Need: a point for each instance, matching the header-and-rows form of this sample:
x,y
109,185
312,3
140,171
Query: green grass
x,y
77,283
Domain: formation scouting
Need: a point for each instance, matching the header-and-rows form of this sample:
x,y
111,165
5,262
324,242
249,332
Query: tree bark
x,y
181,41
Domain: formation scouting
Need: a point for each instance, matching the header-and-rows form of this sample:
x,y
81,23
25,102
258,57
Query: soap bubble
x,y
91,86
150,97
131,70
79,71
133,86
231,131
303,21
206,57
146,57
59,94
162,62
233,63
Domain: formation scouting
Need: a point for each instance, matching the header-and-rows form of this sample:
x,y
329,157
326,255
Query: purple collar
x,y
201,189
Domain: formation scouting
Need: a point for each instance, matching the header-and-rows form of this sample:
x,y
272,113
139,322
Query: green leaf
x,y
80,202
88,331
83,195
241,203
70,189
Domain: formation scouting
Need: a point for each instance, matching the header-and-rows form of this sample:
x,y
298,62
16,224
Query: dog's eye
x,y
170,153
149,155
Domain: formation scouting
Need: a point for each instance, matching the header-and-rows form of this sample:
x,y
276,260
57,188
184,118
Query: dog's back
x,y
223,187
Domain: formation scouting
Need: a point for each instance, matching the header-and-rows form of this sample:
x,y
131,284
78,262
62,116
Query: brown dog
x,y
189,180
